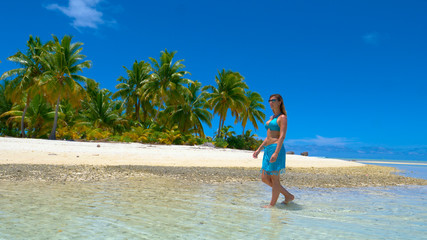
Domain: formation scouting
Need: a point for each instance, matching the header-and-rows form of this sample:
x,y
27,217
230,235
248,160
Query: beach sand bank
x,y
39,151
44,160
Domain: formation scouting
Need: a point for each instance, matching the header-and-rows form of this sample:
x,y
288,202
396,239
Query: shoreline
x,y
395,162
65,161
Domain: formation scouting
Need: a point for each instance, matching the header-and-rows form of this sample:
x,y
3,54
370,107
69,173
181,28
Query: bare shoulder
x,y
282,119
283,116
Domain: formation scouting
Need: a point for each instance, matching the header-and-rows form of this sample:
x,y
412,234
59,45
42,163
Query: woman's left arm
x,y
282,120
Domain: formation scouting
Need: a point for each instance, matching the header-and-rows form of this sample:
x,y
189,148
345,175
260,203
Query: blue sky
x,y
352,73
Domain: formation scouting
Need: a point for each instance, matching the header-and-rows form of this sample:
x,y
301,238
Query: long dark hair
x,y
282,106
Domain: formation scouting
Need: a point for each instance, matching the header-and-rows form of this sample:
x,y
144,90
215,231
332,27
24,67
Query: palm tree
x,y
27,76
190,114
166,82
5,102
230,94
252,110
62,61
100,111
69,112
5,106
226,132
38,117
129,89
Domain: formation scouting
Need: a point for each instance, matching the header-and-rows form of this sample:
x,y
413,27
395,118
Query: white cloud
x,y
321,141
83,13
372,38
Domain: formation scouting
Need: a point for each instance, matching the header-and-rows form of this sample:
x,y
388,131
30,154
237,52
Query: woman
x,y
274,159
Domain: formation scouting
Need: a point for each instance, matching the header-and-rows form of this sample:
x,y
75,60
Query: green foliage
x,y
129,90
228,95
61,61
5,106
70,133
189,114
221,143
98,134
100,111
199,141
237,142
37,120
83,133
227,138
166,84
253,110
155,102
225,132
247,141
26,78
137,134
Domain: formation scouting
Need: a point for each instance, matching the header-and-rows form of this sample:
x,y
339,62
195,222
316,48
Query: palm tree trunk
x,y
52,135
138,103
219,127
23,117
223,121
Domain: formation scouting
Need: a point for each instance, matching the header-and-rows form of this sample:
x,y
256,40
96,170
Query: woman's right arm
x,y
255,155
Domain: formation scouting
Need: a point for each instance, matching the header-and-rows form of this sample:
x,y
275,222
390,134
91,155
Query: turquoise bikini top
x,y
272,125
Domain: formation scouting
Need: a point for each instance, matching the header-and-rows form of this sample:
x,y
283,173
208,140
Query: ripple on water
x,y
164,208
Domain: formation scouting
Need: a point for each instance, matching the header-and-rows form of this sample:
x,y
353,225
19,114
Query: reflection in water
x,y
163,208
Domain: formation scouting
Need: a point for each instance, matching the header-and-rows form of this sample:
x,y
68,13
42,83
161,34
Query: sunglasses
x,y
272,100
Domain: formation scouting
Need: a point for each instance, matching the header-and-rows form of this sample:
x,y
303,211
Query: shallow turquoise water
x,y
157,208
409,168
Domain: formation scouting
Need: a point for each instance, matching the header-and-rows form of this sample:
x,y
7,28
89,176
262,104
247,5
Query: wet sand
x,y
294,177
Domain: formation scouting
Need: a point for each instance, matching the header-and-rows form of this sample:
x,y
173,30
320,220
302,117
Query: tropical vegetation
x,y
49,96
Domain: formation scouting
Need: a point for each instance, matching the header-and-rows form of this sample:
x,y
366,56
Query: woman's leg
x,y
267,180
288,196
277,188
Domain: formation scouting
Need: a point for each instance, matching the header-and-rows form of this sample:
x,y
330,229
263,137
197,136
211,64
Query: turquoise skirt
x,y
277,167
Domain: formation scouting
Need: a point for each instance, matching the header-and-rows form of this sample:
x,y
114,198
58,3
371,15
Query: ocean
x,y
414,168
161,208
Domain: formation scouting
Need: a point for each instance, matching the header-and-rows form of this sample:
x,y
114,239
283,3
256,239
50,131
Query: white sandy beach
x,y
38,151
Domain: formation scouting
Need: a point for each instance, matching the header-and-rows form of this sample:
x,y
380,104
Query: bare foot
x,y
268,206
288,199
